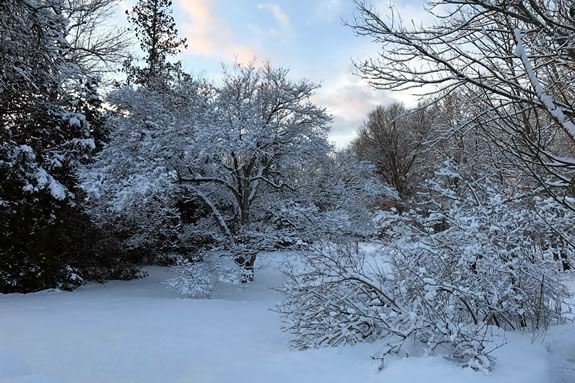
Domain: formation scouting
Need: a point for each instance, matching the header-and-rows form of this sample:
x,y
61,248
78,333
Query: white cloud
x,y
349,99
278,13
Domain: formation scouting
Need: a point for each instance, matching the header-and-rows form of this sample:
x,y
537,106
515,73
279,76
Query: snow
x,y
57,191
139,331
44,180
26,149
546,99
75,120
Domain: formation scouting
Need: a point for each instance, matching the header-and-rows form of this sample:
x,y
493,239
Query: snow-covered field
x,y
137,331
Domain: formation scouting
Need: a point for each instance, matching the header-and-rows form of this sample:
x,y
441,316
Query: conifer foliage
x,y
155,28
50,121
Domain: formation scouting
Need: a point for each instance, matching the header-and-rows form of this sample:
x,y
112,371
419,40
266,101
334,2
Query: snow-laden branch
x,y
201,180
216,213
546,100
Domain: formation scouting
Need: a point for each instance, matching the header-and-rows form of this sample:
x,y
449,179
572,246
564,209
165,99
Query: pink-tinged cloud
x,y
210,36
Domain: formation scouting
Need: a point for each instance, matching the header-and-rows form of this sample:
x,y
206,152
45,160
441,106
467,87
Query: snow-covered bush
x,y
197,278
457,271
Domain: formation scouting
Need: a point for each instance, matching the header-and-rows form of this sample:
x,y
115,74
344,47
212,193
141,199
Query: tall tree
x,y
48,117
155,28
260,123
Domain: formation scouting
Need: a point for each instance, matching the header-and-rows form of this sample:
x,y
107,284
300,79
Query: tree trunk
x,y
245,203
246,260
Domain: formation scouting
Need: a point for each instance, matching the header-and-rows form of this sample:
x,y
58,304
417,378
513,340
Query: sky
x,y
307,36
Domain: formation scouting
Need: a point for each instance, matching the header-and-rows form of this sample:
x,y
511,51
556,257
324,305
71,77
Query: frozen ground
x,y
137,331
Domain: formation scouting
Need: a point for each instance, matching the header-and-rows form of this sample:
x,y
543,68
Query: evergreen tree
x,y
50,121
155,28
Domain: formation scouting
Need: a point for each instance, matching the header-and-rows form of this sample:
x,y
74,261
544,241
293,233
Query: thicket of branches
x,y
512,64
482,233
454,273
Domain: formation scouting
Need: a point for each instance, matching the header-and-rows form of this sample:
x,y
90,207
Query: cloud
x,y
210,36
279,14
349,99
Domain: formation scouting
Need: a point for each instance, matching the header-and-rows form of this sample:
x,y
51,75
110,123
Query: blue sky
x,y
306,36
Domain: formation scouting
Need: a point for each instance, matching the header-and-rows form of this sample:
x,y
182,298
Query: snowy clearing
x,y
138,331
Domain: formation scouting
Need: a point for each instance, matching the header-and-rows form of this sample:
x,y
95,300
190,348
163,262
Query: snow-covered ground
x,y
137,331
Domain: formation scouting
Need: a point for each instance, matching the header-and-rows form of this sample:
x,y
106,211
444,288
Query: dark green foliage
x,y
60,254
51,119
155,28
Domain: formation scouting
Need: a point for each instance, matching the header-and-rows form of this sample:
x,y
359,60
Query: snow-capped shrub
x,y
419,295
197,278
456,273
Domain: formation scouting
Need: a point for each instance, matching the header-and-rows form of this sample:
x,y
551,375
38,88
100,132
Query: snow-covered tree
x,y
260,127
50,120
207,143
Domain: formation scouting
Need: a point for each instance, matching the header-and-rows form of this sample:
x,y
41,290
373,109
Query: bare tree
x,y
95,44
393,138
512,61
